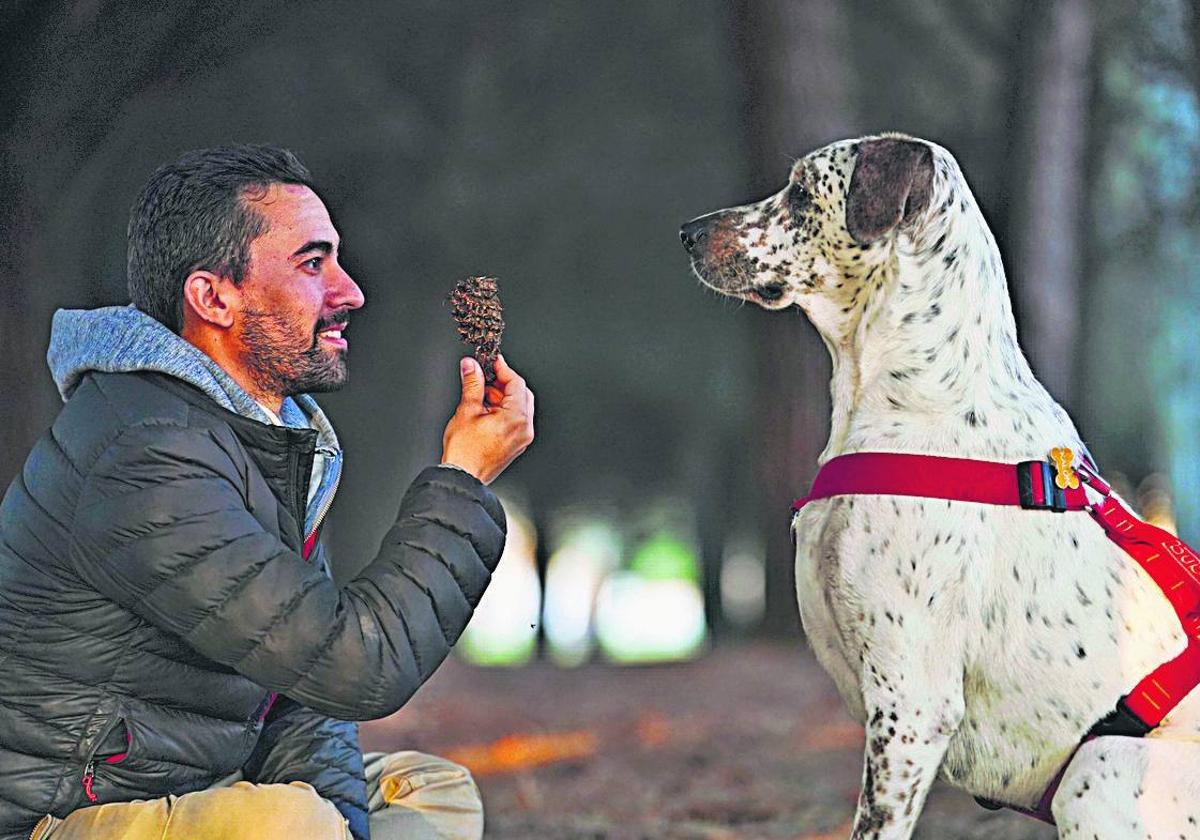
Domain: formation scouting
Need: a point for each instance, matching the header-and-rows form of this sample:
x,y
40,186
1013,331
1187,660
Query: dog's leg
x,y
913,709
1130,789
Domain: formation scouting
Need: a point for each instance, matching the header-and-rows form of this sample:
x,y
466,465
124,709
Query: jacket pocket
x,y
110,747
114,747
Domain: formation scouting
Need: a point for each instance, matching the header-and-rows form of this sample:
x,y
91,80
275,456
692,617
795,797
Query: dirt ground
x,y
749,741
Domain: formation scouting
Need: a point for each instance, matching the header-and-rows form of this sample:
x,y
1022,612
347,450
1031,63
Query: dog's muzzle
x,y
711,243
693,233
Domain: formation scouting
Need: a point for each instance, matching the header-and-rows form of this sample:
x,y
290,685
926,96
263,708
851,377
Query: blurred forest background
x,y
558,146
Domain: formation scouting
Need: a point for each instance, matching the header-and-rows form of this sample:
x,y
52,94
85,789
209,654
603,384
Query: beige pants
x,y
411,795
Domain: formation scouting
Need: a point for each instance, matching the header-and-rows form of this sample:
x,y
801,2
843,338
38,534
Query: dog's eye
x,y
798,199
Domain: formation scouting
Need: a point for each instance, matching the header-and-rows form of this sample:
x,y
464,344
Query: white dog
x,y
979,641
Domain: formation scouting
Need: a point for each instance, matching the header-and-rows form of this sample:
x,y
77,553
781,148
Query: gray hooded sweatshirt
x,y
123,339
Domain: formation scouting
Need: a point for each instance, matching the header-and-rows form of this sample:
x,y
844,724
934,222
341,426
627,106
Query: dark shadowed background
x,y
558,146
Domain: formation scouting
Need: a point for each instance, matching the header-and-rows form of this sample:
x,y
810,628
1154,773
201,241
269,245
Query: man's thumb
x,y
472,381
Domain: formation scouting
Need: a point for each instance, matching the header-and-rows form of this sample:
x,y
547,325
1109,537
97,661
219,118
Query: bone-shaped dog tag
x,y
1065,477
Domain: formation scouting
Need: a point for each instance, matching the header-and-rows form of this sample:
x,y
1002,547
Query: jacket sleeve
x,y
163,528
300,745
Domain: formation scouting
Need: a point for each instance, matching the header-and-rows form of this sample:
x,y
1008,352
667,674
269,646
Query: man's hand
x,y
491,426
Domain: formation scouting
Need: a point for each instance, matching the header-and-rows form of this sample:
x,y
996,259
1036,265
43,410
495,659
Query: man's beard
x,y
282,361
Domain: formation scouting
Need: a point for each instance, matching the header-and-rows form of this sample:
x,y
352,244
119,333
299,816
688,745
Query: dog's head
x,y
815,242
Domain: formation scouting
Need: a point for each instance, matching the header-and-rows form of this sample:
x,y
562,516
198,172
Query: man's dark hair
x,y
192,214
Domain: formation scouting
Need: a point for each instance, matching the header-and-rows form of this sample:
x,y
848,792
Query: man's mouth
x,y
332,335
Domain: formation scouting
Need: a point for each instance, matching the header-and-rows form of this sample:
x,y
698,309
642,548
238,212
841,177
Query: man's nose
x,y
343,292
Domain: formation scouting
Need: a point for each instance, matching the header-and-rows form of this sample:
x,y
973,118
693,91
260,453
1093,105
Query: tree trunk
x,y
1046,218
27,25
793,55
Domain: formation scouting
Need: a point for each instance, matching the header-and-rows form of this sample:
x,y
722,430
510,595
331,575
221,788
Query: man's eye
x,y
312,263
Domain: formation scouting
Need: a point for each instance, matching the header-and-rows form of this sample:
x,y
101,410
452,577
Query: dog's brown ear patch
x,y
891,183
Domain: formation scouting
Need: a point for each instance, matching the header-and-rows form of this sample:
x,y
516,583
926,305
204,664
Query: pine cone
x,y
475,304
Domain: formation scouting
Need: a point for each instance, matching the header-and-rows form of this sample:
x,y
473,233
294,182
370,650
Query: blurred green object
x,y
498,650
653,611
665,556
640,621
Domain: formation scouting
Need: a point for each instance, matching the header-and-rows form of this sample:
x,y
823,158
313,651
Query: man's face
x,y
296,298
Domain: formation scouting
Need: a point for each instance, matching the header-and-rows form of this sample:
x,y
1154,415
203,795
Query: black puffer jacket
x,y
153,598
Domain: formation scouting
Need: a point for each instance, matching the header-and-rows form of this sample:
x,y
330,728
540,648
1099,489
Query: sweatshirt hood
x,y
123,339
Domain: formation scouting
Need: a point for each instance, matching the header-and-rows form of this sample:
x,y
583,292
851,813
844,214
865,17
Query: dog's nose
x,y
692,232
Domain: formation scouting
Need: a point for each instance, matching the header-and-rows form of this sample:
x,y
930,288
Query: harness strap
x,y
938,477
1170,562
1175,567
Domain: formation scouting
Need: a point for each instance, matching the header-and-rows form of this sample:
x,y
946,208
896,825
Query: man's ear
x,y
209,298
892,183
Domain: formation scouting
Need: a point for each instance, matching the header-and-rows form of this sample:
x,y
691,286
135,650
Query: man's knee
x,y
271,812
418,795
276,811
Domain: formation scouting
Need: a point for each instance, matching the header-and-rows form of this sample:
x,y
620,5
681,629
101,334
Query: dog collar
x,y
1034,485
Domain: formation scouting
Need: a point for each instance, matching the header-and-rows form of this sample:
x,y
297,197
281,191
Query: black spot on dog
x,y
1084,600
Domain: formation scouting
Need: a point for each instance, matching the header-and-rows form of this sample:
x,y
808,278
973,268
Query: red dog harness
x,y
1049,486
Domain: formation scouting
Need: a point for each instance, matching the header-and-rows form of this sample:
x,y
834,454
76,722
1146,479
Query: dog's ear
x,y
891,184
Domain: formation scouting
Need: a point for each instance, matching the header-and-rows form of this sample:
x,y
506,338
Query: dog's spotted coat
x,y
976,641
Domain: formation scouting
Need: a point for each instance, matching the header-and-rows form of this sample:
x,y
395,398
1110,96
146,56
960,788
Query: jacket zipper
x,y
260,714
43,826
89,770
326,504
265,707
89,776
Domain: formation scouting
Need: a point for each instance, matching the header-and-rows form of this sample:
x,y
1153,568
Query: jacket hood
x,y
123,339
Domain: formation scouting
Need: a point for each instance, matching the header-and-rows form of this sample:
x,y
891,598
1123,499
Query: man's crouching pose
x,y
175,660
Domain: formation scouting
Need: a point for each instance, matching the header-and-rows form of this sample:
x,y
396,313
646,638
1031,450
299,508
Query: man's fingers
x,y
472,382
515,396
529,417
506,375
514,388
484,438
503,371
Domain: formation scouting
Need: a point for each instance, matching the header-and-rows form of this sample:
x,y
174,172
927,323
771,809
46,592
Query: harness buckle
x,y
1088,476
1122,720
1037,489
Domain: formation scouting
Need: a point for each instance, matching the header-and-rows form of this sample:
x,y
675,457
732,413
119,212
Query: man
x,y
168,629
